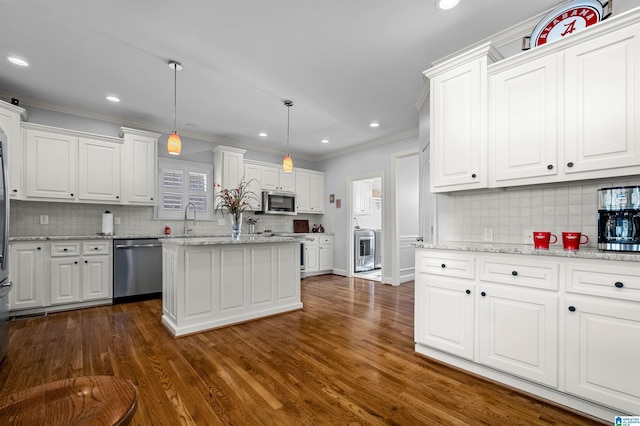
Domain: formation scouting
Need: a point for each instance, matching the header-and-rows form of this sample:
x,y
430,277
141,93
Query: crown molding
x,y
371,144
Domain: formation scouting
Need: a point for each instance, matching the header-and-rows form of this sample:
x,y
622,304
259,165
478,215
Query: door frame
x,y
351,227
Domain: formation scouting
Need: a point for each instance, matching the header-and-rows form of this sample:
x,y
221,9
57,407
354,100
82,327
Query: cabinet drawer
x,y
312,239
618,280
96,247
65,249
446,264
326,239
520,272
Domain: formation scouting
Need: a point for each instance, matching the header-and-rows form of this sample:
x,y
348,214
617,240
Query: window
x,y
181,183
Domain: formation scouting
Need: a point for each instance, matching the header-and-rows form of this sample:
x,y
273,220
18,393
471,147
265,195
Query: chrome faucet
x,y
186,209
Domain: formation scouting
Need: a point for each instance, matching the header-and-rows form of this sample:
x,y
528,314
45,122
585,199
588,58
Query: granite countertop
x,y
110,237
208,241
583,253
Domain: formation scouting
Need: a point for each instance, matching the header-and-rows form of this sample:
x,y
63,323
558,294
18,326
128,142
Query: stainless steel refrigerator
x,y
5,285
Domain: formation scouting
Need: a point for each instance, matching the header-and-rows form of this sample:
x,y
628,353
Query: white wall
x,y
336,172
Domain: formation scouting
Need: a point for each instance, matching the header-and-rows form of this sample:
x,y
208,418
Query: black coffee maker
x,y
619,218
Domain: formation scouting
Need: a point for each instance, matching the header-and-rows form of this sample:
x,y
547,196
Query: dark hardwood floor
x,y
347,358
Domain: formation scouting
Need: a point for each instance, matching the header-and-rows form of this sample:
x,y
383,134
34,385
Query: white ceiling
x,y
344,63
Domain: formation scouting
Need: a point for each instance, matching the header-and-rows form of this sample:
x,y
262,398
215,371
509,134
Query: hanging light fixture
x,y
174,145
287,163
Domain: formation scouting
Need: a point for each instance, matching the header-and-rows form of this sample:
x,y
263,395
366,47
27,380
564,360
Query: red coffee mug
x,y
541,240
572,240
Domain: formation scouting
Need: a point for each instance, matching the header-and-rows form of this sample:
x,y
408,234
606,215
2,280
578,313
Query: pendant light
x,y
174,145
287,163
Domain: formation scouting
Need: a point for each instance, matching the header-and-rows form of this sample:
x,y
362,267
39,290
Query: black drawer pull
x,y
572,308
619,284
569,164
473,175
550,167
95,248
86,261
76,262
514,273
468,291
483,294
443,265
65,249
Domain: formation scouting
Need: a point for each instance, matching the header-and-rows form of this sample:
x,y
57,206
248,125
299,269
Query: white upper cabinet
x,y
274,179
10,116
523,124
139,174
602,90
99,170
228,166
309,192
50,164
252,174
458,120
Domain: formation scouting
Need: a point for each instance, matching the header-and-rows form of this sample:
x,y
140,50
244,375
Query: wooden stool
x,y
103,400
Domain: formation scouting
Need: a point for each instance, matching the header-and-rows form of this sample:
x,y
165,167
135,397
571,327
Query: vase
x,y
236,226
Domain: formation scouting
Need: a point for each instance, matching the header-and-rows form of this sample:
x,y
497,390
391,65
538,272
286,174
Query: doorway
x,y
366,224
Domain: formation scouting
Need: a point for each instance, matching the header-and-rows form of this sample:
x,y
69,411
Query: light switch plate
x,y
488,234
44,219
116,220
221,222
527,236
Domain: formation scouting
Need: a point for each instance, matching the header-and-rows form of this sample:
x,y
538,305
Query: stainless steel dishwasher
x,y
137,269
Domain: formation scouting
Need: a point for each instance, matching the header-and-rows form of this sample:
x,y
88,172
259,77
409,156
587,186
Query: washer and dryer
x,y
365,246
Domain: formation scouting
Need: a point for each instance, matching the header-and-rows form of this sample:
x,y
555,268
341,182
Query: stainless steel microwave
x,y
278,202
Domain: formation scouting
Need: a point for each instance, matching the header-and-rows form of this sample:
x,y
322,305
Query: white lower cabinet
x,y
325,257
27,275
562,328
60,275
312,248
319,253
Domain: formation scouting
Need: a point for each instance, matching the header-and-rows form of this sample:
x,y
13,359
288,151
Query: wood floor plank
x,y
346,358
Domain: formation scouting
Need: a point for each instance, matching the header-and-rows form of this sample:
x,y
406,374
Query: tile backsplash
x,y
73,219
509,213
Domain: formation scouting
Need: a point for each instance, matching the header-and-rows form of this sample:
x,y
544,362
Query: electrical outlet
x,y
527,236
116,220
488,234
44,219
221,222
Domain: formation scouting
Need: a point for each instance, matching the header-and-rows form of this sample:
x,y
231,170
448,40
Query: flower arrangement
x,y
235,200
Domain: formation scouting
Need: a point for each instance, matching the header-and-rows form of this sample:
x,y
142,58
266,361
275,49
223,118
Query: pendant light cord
x,y
175,96
288,108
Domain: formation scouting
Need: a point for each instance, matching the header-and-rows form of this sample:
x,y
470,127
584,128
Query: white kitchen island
x,y
214,282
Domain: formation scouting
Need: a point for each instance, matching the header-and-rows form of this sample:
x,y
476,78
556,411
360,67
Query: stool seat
x,y
104,400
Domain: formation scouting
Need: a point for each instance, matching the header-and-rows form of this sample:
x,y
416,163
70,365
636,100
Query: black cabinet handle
x,y
15,190
65,249
468,291
39,248
443,265
514,273
86,261
550,167
117,197
483,294
95,248
72,195
569,164
619,284
151,198
76,262
473,175
572,308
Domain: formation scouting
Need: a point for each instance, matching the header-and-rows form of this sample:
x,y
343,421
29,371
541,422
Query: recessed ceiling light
x,y
112,98
374,124
17,61
262,134
447,4
324,141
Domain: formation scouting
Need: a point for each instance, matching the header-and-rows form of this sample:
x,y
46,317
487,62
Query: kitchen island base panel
x,y
551,396
212,284
226,322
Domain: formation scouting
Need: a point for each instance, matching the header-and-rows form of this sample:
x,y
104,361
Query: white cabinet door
x,y
95,277
316,193
603,351
10,124
50,165
274,179
523,122
27,275
458,125
65,280
313,254
445,311
362,192
602,88
98,170
139,174
287,181
326,257
252,175
303,202
519,332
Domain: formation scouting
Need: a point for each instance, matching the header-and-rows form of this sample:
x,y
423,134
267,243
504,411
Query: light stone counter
x,y
206,241
583,253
